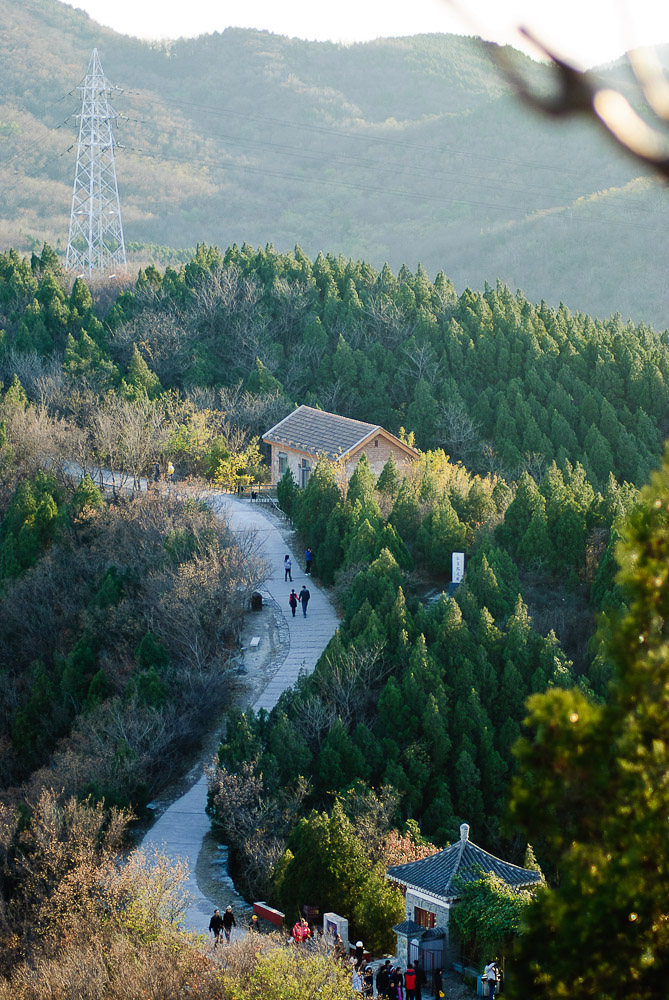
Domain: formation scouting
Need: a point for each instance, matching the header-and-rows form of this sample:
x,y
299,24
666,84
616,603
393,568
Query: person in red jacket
x,y
301,931
410,982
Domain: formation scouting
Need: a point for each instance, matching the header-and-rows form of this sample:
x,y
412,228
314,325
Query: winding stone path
x,y
181,829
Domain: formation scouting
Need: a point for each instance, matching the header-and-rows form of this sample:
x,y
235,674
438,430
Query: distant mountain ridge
x,y
404,150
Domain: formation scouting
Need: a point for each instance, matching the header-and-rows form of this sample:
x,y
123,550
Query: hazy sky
x,y
586,31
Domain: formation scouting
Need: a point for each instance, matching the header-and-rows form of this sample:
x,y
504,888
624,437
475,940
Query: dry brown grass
x,y
111,967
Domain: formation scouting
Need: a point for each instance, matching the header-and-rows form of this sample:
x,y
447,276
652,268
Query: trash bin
x,y
256,601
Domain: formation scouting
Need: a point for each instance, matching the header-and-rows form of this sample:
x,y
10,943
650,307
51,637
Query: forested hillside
x,y
401,150
535,428
498,382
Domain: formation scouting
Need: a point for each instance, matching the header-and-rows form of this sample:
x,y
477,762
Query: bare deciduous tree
x,y
314,718
386,322
40,376
349,681
252,413
253,822
461,438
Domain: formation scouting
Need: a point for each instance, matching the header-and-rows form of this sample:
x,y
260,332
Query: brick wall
x,y
412,900
377,456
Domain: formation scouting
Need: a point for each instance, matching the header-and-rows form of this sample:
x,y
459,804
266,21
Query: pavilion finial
x,y
464,832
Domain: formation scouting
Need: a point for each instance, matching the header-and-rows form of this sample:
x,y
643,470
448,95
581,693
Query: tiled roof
x,y
464,860
408,927
319,433
432,934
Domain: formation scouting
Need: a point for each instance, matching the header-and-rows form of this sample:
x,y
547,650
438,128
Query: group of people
x,y
169,472
392,983
222,925
304,596
219,925
288,565
397,984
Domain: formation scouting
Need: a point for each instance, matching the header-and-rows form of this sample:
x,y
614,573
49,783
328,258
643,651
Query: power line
x,y
341,133
337,157
327,156
299,179
263,143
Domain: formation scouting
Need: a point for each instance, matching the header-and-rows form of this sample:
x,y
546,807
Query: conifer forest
x,y
537,430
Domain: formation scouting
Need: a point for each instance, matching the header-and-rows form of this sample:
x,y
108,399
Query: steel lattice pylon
x,y
95,246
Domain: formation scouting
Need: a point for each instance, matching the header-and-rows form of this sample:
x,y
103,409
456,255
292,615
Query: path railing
x,y
122,482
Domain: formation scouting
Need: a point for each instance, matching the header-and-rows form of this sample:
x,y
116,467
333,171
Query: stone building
x,y
304,435
430,896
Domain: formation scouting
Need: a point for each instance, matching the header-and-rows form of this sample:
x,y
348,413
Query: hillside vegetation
x,y
536,428
400,150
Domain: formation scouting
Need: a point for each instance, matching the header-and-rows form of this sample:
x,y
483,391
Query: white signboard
x,y
457,566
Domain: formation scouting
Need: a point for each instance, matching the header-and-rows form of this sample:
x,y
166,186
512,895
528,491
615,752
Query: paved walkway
x,y
179,832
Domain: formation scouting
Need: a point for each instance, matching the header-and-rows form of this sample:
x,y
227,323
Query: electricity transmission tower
x,y
95,246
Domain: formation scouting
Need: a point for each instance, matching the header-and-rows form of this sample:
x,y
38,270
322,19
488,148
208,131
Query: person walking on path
x,y
156,472
216,926
308,556
287,569
228,923
304,600
292,601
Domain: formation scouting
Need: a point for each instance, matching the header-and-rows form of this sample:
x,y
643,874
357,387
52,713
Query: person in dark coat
x,y
359,950
216,926
292,601
304,596
368,983
391,982
437,983
228,922
382,980
421,979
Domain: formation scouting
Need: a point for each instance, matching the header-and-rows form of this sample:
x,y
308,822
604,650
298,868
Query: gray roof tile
x,y
319,433
408,927
463,859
